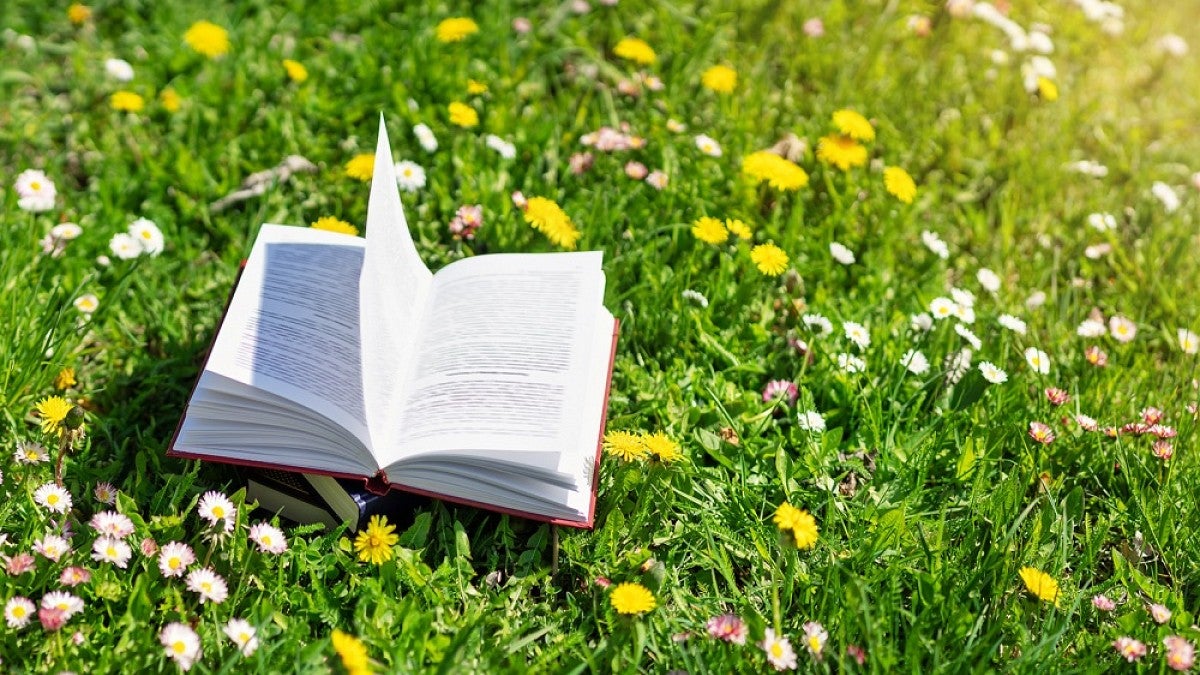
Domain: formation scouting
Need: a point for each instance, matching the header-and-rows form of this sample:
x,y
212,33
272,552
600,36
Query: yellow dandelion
x,y
548,218
721,79
1040,584
65,379
1047,89
374,544
78,13
625,445
841,151
710,231
632,598
475,87
331,224
662,447
899,184
456,29
207,38
361,166
352,652
53,410
295,70
738,228
780,173
770,259
463,115
798,523
127,101
170,100
636,50
853,125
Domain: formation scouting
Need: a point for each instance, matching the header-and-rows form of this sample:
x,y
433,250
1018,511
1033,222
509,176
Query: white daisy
x,y
779,651
52,547
988,279
942,308
964,313
64,602
675,126
1122,329
30,452
1036,299
1097,251
708,146
181,644
112,523
1188,341
857,333
243,635
921,322
1088,167
147,235
105,493
851,363
1172,45
1038,360
174,558
841,254
507,150
66,231
208,585
112,550
991,373
410,176
1166,195
1091,328
966,334
811,421
962,297
1040,42
35,191
915,362
53,497
87,303
118,69
818,323
1012,323
425,137
216,508
695,296
18,611
1087,423
1102,222
935,244
124,246
269,538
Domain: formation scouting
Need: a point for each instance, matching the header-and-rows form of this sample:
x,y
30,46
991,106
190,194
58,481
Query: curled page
x,y
393,285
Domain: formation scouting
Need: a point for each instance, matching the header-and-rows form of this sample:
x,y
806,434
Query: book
x,y
308,498
484,384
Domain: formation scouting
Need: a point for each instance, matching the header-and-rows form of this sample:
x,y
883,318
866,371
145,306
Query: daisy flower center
x,y
35,186
218,512
178,647
776,650
174,563
18,611
52,499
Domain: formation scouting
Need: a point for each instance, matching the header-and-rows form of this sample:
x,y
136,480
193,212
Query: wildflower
x,y
710,231
78,14
87,303
841,151
769,259
29,452
1129,648
55,243
964,313
921,322
625,445
215,507
181,644
462,115
851,363
504,148
1189,342
1086,423
243,635
1122,329
1151,415
1056,396
19,564
374,544
662,447
352,651
635,170
174,559
118,69
957,364
295,70
127,101
1103,603
148,546
1040,584
208,585
822,325
728,627
1180,653
841,254
854,125
112,550
1091,328
708,146
636,50
779,651
992,374
657,179
915,362
1166,195
1047,89
331,224
456,29
170,100
580,162
1162,450
632,599
962,297
815,637
522,25
935,244
1159,613
361,166
968,335
35,191
899,184
147,235
1035,300
425,137
720,78
410,177
781,390
1102,222
64,602
475,87
18,611
695,296
112,523
207,38
73,576
51,547
811,421
857,333
1041,433
738,228
1095,356
66,377
1037,360
51,619
988,279
798,523
857,653
547,217
675,126
467,220
53,497
1012,323
124,246
813,27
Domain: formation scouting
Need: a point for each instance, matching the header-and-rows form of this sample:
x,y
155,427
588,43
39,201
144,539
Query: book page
x,y
502,360
292,328
394,282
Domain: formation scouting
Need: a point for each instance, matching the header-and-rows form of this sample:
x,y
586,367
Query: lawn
x,y
907,374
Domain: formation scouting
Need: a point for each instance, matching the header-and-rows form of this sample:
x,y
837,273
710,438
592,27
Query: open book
x,y
484,384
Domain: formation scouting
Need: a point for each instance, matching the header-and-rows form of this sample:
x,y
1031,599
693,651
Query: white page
x,y
292,328
502,360
393,285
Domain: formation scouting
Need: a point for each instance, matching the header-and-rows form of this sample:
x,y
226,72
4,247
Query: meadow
x,y
907,375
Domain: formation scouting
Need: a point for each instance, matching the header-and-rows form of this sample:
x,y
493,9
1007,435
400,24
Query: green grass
x,y
930,496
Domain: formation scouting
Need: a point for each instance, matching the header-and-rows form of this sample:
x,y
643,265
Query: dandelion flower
x,y
708,145
207,38
269,538
295,70
18,611
710,231
181,643
1041,585
170,100
769,259
992,373
1038,360
352,652
462,115
728,627
662,447
361,166
65,378
797,522
779,651
208,585
174,559
547,217
1122,329
78,13
111,550
410,177
456,29
854,125
899,184
841,151
243,635
632,599
331,224
127,101
1129,649
721,79
636,50
625,445
374,544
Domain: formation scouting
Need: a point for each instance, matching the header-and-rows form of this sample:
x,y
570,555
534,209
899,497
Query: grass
x,y
930,495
